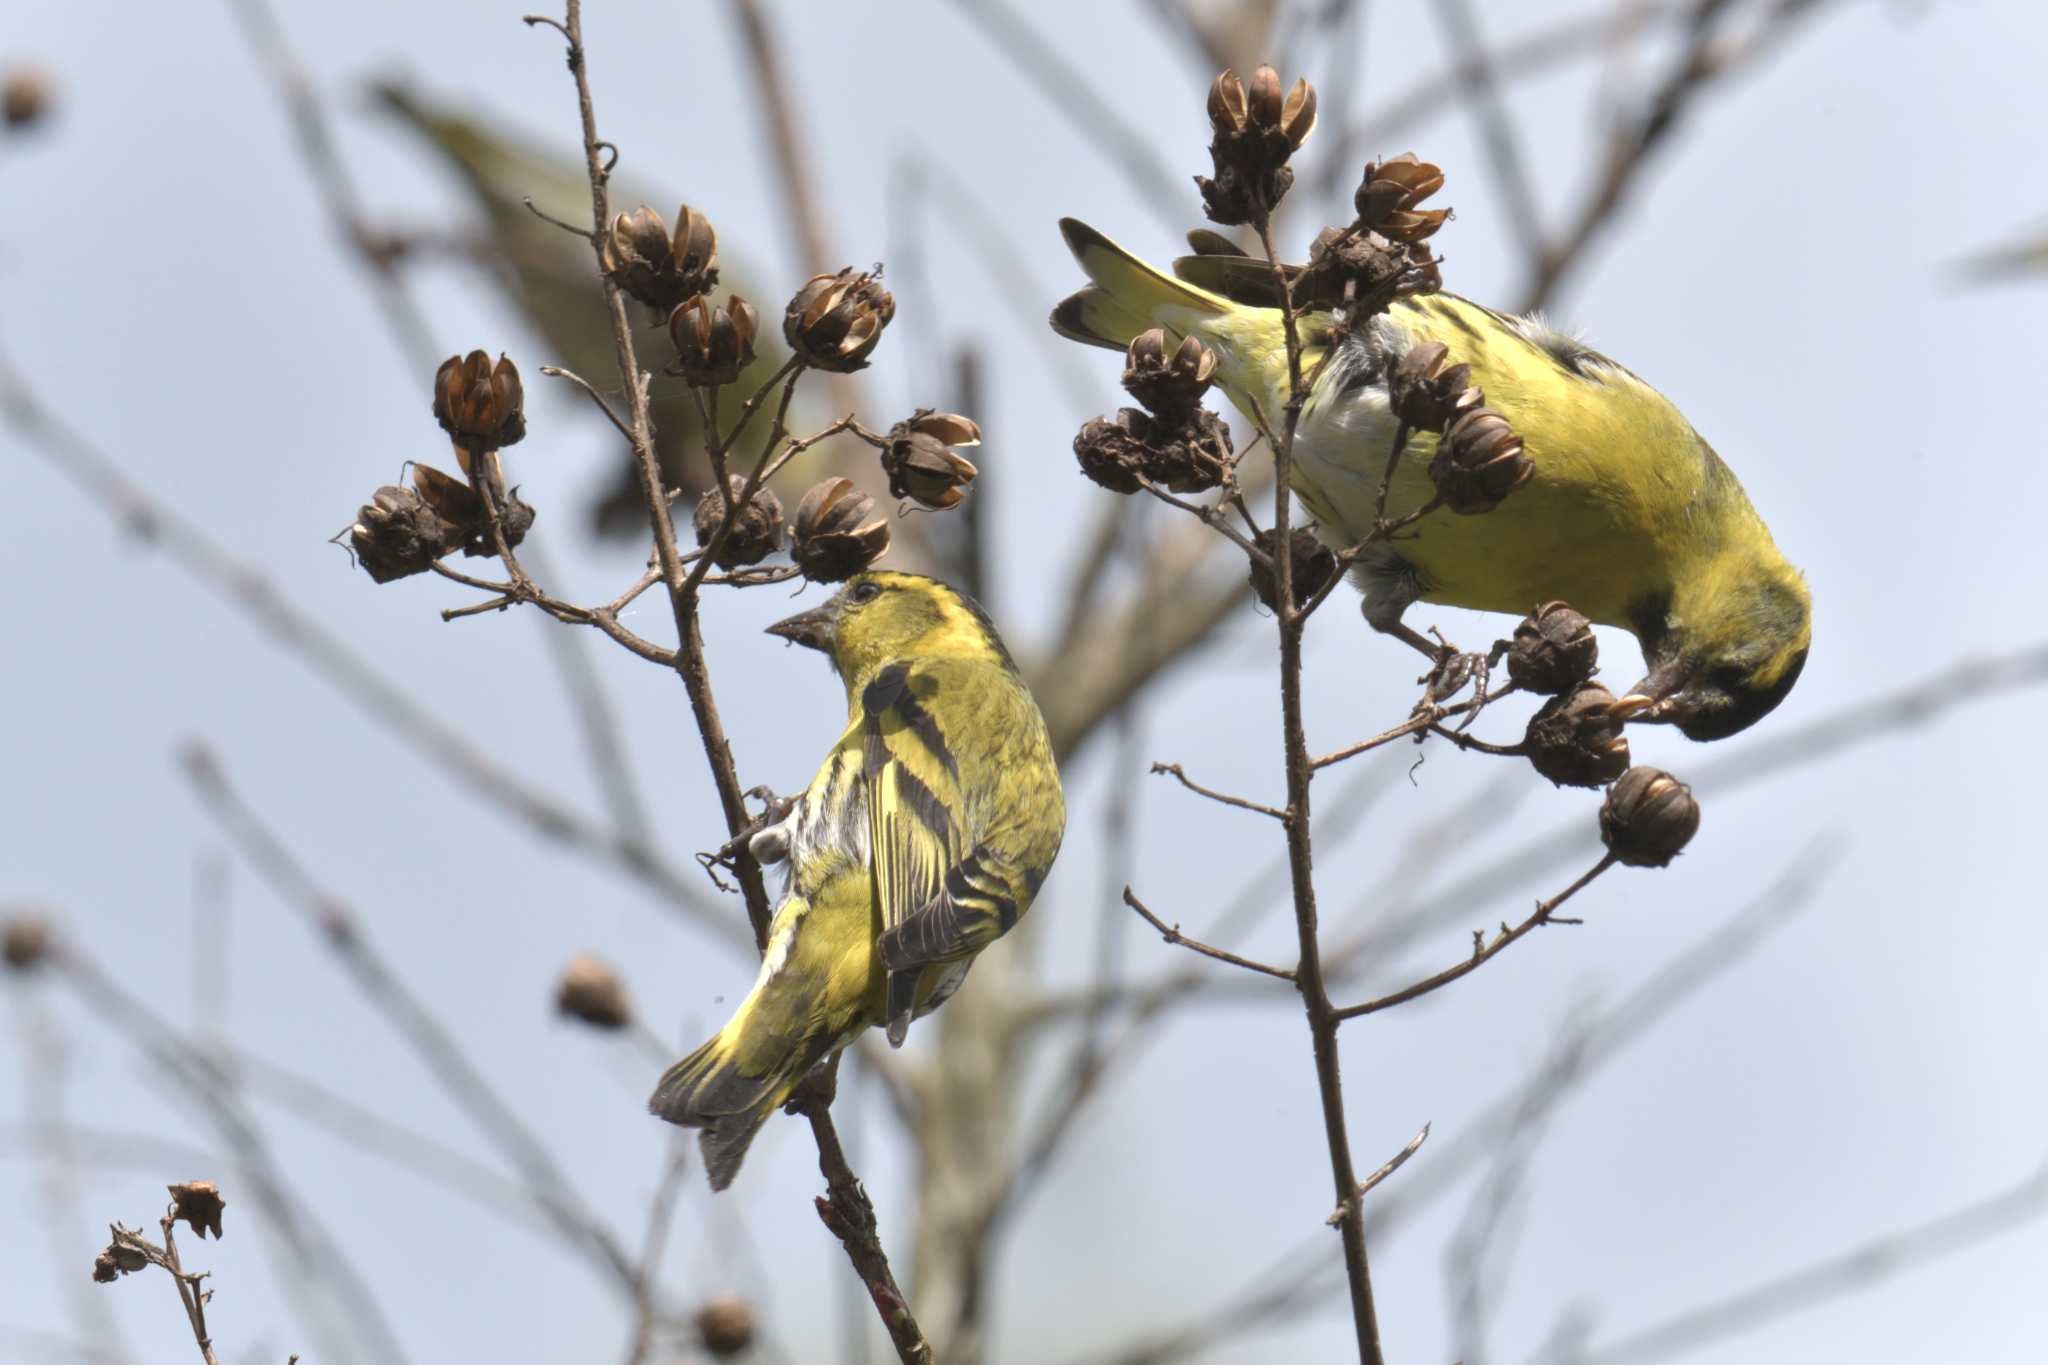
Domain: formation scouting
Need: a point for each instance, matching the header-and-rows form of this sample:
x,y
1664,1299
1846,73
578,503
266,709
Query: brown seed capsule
x,y
24,941
480,405
1256,131
1553,650
1573,741
713,345
1192,457
591,991
921,462
1479,461
1313,568
1171,385
199,1205
1389,193
104,1268
397,534
655,266
1649,816
726,1326
756,534
1113,451
835,321
25,96
1426,393
461,511
835,536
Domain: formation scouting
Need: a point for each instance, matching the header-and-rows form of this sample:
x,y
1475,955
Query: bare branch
x,y
1172,934
1173,770
1394,1163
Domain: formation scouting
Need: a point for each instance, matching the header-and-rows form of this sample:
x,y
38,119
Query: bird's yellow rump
x,y
923,838
1631,517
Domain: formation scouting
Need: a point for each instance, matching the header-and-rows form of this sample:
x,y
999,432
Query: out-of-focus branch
x,y
1066,90
1534,53
1849,1272
1503,150
342,931
1704,60
96,475
330,176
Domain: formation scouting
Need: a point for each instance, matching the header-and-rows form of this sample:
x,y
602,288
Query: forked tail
x,y
1127,296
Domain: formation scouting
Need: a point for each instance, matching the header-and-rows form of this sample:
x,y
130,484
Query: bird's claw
x,y
1453,671
774,810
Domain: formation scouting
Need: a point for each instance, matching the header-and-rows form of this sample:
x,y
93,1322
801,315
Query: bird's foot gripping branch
x,y
1367,387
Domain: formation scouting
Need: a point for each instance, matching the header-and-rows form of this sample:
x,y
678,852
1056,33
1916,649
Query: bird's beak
x,y
1651,699
814,629
1631,707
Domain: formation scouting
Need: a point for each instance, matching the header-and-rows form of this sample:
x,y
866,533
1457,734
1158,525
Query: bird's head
x,y
1723,649
878,618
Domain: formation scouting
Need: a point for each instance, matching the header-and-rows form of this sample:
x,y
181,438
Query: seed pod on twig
x,y
24,941
755,535
713,345
1479,461
1649,816
835,321
836,534
921,462
397,534
1575,742
1170,385
658,267
1553,650
1426,392
1388,195
480,405
1111,451
1255,131
198,1205
1315,564
726,1326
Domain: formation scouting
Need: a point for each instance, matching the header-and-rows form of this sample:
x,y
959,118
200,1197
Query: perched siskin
x,y
1618,507
922,839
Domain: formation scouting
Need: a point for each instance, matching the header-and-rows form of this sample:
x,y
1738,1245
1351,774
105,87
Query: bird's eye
x,y
865,592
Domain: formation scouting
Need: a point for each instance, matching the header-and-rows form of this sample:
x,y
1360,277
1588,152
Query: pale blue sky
x,y
169,280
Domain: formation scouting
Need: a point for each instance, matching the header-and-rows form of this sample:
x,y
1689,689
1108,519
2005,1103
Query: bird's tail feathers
x,y
1126,296
708,1091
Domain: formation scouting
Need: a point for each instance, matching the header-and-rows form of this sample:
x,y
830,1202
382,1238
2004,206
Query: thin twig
x,y
1393,1164
1172,934
1504,156
1173,770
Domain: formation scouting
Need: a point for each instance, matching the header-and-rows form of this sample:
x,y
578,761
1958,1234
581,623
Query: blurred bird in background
x,y
923,839
550,277
1629,515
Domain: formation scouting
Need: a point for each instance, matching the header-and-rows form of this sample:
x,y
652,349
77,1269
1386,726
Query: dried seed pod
x,y
589,990
1113,451
1315,564
713,345
1426,393
25,96
921,462
836,536
480,405
1191,458
755,535
24,941
199,1205
1389,193
105,1269
1479,461
1573,741
725,1325
1649,816
1256,131
1553,650
1169,385
835,321
656,266
397,534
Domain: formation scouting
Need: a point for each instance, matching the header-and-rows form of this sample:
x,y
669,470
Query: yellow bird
x,y
923,839
1631,517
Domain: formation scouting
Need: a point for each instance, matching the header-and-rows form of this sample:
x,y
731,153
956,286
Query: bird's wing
x,y
916,814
